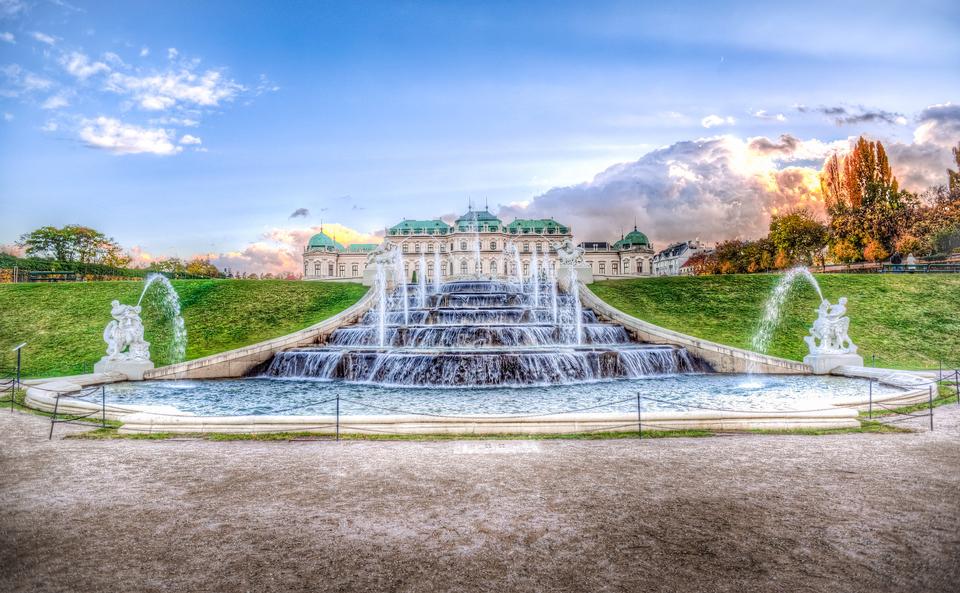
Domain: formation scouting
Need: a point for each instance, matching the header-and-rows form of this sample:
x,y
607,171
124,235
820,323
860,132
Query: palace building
x,y
478,239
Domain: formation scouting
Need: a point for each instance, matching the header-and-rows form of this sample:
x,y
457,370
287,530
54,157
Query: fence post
x,y
53,419
873,360
639,421
870,405
103,406
338,416
956,383
930,406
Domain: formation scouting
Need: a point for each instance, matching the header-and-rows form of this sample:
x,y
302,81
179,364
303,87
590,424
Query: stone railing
x,y
724,359
236,363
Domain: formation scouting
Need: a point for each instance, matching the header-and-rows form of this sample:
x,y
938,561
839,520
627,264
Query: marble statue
x,y
568,254
124,334
383,254
829,341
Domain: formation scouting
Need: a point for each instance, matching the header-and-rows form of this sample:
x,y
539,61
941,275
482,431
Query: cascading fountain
x,y
479,333
127,351
437,280
477,269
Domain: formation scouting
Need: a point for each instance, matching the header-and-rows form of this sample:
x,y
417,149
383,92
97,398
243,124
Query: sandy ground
x,y
742,513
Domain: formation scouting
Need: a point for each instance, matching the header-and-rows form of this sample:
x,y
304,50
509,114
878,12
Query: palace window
x,y
430,247
343,270
463,267
639,266
406,248
540,247
416,248
493,267
526,269
330,270
526,247
615,268
603,267
316,268
355,270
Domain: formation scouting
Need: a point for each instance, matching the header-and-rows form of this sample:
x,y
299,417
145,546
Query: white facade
x,y
475,245
670,261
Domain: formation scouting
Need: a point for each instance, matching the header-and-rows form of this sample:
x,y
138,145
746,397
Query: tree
x,y
798,235
202,267
172,266
863,197
844,252
874,251
74,243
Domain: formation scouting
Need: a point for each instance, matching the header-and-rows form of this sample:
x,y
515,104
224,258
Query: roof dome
x,y
478,216
633,239
322,242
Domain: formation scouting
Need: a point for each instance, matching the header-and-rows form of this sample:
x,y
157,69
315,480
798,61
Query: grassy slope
x,y
63,323
907,321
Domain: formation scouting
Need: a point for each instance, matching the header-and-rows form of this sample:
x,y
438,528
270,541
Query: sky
x,y
235,129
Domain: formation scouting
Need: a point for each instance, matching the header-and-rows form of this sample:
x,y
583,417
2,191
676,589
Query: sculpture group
x,y
568,254
124,334
829,332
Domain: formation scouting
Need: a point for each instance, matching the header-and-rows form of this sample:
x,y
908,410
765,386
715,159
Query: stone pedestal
x,y
370,276
133,369
584,274
822,363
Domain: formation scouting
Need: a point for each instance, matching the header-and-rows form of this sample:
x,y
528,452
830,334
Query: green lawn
x,y
907,321
63,323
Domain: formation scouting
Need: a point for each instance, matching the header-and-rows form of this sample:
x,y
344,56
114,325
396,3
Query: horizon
x,y
232,130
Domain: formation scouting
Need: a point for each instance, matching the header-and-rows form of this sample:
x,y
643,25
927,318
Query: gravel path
x,y
860,512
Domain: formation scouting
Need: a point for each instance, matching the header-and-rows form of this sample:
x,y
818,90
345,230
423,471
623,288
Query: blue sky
x,y
199,127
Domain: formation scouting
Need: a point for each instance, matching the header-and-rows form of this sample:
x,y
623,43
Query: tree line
x,y
870,218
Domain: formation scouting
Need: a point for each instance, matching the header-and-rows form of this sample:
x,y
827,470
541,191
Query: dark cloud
x,y
300,213
786,146
859,115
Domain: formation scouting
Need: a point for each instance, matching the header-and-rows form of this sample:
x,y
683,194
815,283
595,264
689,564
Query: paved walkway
x,y
863,512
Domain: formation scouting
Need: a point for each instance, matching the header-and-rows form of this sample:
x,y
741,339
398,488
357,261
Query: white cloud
x,y
175,121
57,101
43,38
162,91
172,53
11,8
191,140
50,126
20,81
144,51
8,37
923,163
120,138
712,121
761,114
7,116
712,188
80,66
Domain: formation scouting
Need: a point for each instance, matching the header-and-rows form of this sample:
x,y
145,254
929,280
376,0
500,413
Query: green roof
x,y
323,242
633,239
361,247
537,225
478,216
430,227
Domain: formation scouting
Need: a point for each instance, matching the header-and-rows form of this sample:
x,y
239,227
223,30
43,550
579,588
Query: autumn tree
x,y
202,267
953,177
798,235
863,197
